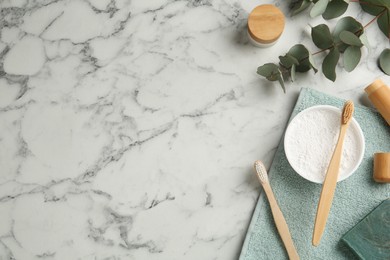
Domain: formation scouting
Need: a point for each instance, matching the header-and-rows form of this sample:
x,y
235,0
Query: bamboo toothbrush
x,y
280,222
331,177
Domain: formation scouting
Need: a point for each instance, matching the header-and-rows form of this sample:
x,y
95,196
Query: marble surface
x,y
128,128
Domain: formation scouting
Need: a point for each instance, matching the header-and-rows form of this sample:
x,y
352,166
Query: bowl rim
x,y
353,121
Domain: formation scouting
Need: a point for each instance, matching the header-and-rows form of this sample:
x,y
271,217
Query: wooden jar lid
x,y
382,167
265,23
374,86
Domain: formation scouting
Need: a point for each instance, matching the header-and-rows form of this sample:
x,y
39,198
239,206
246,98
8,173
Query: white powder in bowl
x,y
311,138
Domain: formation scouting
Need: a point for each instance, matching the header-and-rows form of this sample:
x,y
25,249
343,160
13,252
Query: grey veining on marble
x,y
128,128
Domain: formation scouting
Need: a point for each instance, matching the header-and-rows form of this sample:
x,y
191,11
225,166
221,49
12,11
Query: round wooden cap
x,y
265,23
374,86
382,167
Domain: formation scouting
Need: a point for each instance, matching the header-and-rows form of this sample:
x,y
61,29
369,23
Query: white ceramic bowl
x,y
311,160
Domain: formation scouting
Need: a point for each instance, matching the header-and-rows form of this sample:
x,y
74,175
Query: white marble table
x,y
128,128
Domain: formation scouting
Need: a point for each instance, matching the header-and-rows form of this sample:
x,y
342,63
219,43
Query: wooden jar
x,y
379,95
265,25
382,167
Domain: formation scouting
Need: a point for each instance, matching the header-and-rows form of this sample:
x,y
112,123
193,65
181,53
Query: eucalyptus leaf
x,y
319,8
271,72
281,82
288,60
385,3
346,24
334,9
329,64
384,23
293,68
384,61
276,75
300,6
374,7
363,38
350,39
298,51
321,36
273,76
312,63
301,53
267,69
352,57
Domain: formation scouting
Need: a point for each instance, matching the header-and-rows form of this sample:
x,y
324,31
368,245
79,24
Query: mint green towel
x,y
355,197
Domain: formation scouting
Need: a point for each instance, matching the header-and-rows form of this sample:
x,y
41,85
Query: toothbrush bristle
x,y
347,111
261,172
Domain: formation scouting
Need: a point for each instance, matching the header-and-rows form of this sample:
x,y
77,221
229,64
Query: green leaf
x,y
281,82
329,64
384,23
319,8
352,57
384,61
288,60
300,53
346,24
374,7
350,39
300,6
293,68
267,69
334,9
364,40
271,72
273,76
321,36
312,63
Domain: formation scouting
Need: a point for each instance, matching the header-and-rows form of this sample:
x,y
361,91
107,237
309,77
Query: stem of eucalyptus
x,y
373,19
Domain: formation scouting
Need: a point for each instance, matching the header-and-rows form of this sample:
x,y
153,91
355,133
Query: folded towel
x,y
354,198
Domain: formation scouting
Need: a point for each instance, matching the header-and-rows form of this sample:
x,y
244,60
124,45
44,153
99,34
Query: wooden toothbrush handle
x,y
281,224
328,189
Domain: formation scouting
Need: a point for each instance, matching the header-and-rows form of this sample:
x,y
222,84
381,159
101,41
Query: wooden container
x,y
379,95
382,167
265,25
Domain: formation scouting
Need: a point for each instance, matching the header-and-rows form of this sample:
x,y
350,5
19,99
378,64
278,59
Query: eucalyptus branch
x,y
347,38
375,18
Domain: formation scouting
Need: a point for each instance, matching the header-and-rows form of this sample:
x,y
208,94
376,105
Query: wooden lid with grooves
x,y
265,23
